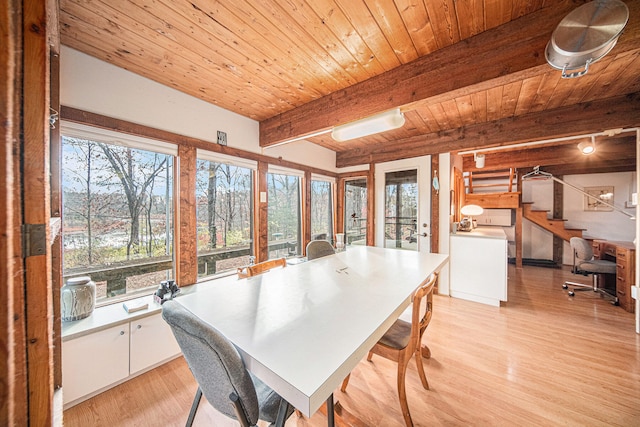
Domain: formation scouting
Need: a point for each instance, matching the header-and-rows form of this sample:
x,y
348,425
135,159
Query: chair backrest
x,y
582,249
261,267
422,309
318,249
214,362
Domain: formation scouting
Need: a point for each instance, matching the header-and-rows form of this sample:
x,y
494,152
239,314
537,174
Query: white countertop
x,y
486,232
115,314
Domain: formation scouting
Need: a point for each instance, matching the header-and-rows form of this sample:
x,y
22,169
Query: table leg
x,y
330,412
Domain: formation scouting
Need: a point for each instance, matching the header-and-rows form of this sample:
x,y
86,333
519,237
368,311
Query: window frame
x,y
332,204
280,170
251,165
114,138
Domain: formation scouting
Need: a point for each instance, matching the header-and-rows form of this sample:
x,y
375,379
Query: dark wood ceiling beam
x,y
611,153
588,117
598,167
502,55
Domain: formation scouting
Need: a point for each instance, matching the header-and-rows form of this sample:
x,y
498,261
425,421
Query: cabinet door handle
x,y
139,327
121,332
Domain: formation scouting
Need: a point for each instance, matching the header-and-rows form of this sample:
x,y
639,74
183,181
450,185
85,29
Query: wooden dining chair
x,y
261,267
403,340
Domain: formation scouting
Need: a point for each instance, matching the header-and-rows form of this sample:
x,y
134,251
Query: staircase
x,y
555,226
482,188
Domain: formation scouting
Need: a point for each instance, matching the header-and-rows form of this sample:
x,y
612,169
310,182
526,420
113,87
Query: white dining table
x,y
303,328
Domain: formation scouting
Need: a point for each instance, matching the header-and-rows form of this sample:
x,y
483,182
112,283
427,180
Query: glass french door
x,y
403,204
355,211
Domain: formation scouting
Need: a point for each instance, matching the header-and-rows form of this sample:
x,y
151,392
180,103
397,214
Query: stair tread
x,y
486,175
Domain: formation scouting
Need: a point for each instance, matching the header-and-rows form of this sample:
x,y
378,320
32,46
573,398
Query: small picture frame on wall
x,y
598,195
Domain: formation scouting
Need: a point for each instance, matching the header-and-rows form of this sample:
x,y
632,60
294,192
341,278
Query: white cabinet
x,y
501,217
94,361
99,360
151,343
478,264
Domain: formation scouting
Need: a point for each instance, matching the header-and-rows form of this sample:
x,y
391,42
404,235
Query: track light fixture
x,y
588,147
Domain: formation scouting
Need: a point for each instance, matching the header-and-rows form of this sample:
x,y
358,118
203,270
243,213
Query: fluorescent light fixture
x,y
587,147
392,119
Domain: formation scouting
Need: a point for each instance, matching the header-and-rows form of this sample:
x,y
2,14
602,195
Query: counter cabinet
x,y
479,265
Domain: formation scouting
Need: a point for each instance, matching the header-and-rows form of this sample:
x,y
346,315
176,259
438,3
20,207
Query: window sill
x,y
115,314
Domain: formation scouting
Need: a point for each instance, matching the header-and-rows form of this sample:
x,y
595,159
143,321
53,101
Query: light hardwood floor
x,y
541,359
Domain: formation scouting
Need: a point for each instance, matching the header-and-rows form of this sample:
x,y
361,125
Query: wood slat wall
x,y
13,400
37,210
186,233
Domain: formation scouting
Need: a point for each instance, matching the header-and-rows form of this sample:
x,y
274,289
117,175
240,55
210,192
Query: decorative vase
x,y
339,242
77,298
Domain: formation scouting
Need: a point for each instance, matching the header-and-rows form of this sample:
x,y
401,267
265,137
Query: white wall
x,y
613,225
93,85
602,225
446,171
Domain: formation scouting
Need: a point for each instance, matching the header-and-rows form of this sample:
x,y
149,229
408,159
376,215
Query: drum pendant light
x,y
586,35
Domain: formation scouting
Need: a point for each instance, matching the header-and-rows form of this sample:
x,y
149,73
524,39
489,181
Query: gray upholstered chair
x,y
220,372
584,263
318,249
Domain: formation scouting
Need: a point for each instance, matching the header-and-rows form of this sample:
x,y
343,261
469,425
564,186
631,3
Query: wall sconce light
x,y
392,119
587,147
479,159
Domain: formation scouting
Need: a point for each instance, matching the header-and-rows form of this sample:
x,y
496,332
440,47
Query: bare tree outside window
x,y
224,216
321,211
117,216
284,219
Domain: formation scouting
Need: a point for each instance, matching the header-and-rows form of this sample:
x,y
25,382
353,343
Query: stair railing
x,y
538,174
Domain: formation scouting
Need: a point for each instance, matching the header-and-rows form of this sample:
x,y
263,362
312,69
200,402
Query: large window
x,y
284,220
355,211
321,210
224,194
117,212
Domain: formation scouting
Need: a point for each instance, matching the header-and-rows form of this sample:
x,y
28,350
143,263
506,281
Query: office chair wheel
x,y
572,294
565,286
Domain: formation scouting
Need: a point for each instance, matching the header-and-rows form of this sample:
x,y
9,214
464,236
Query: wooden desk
x,y
303,328
624,255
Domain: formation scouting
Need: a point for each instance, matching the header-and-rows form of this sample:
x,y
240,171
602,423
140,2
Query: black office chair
x,y
585,264
318,249
221,374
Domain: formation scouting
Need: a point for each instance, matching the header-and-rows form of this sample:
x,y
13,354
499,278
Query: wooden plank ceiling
x,y
467,73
